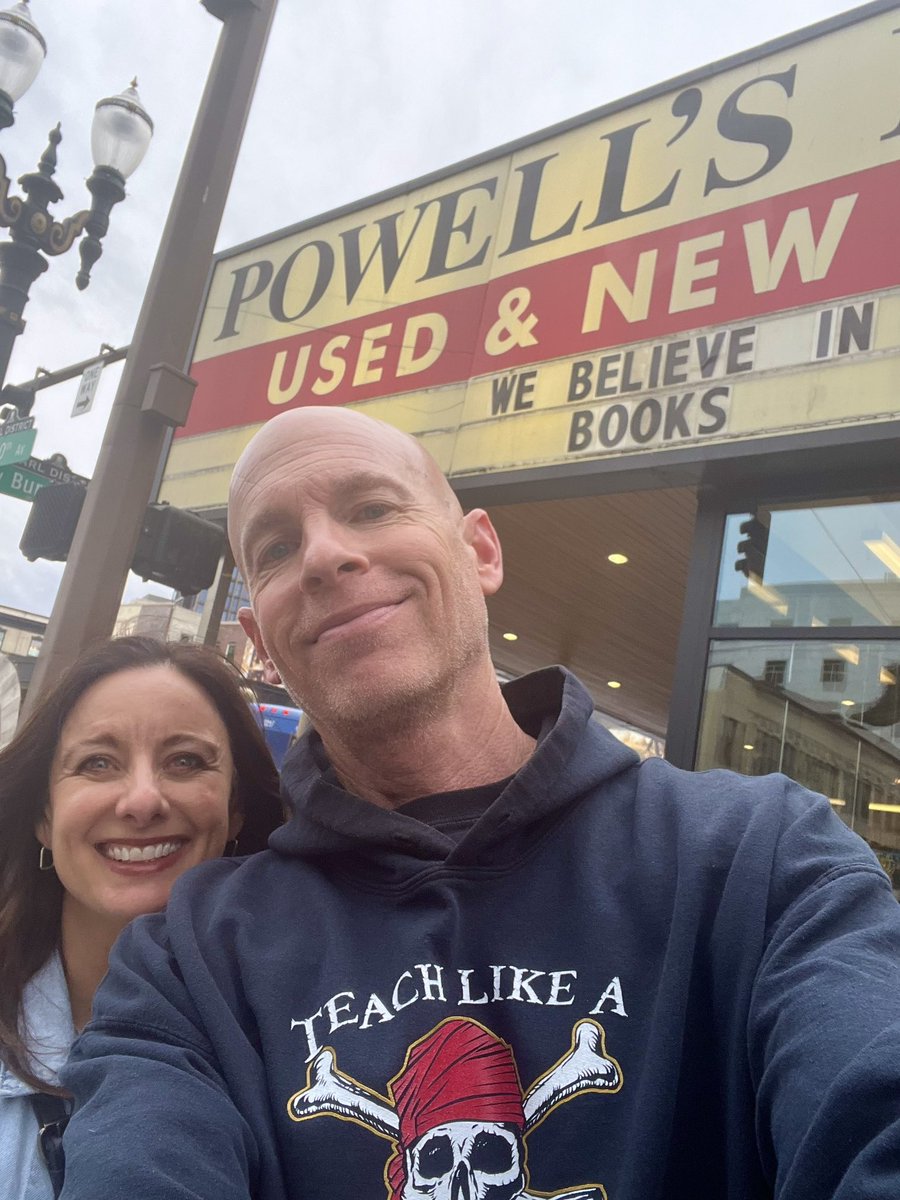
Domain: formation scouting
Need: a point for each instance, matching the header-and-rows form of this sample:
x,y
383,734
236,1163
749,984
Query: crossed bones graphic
x,y
466,1160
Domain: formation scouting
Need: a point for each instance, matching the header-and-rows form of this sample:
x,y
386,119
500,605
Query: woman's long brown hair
x,y
31,899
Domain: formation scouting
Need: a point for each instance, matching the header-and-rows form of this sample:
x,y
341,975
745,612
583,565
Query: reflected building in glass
x,y
803,666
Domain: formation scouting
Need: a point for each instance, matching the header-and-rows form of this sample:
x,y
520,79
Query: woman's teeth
x,y
140,853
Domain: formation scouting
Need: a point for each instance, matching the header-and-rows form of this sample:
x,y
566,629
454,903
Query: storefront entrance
x,y
783,654
614,623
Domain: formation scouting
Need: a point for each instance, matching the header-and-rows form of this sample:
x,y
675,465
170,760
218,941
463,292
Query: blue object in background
x,y
279,725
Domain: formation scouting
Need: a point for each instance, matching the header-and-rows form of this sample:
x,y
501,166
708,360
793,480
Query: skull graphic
x,y
466,1160
456,1113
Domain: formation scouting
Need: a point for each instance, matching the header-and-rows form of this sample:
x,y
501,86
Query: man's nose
x,y
330,549
143,800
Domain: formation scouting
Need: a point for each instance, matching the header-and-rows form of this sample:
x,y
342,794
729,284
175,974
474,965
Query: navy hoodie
x,y
624,981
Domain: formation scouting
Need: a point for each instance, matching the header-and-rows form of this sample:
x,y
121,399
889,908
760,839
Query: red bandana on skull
x,y
459,1072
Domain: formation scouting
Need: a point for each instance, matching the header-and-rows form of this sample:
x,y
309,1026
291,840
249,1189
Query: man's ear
x,y
480,534
250,627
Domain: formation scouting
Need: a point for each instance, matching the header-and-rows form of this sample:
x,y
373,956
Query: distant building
x,y
233,643
21,632
157,617
10,699
238,597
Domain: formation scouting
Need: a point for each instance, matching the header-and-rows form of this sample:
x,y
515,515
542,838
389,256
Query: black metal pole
x,y
20,265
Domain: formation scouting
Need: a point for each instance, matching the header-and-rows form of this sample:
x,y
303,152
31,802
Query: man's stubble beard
x,y
366,709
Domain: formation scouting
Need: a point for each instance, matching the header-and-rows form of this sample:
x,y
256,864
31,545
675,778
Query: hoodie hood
x,y
573,757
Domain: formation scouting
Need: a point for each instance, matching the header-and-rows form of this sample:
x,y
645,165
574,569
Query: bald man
x,y
492,956
367,586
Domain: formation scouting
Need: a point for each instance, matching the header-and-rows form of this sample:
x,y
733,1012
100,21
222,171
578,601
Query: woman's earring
x,y
45,859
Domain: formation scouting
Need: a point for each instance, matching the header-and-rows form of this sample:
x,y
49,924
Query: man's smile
x,y
354,619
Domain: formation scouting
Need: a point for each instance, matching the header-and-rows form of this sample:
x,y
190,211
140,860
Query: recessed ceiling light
x,y
618,559
613,683
847,703
511,637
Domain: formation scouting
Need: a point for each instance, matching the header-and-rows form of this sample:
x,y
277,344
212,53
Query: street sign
x,y
20,483
87,388
16,424
17,440
55,469
22,480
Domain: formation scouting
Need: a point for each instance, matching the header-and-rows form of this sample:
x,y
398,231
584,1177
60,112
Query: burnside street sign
x,y
24,479
17,440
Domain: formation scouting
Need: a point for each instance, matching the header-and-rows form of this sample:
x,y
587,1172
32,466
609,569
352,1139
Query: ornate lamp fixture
x,y
120,136
22,50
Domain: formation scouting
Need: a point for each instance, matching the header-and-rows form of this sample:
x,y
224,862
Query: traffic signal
x,y
179,549
51,523
175,547
22,398
752,548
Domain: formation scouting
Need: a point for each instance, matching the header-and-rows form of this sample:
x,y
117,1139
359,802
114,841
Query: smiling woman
x,y
140,789
144,761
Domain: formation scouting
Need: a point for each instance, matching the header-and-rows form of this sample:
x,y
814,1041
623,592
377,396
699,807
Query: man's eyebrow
x,y
278,517
370,481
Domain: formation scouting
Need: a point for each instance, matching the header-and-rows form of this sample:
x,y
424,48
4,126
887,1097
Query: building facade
x,y
628,337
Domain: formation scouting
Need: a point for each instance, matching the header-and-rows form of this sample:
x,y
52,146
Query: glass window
x,y
238,597
841,741
812,566
834,672
773,672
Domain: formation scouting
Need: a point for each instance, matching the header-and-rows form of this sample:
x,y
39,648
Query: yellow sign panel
x,y
651,277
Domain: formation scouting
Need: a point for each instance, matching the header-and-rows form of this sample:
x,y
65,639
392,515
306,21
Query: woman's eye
x,y
187,762
96,764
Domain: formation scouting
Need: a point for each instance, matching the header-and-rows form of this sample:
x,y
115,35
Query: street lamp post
x,y
22,51
120,136
154,393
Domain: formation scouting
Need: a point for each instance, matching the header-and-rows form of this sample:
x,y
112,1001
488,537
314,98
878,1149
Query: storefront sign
x,y
706,263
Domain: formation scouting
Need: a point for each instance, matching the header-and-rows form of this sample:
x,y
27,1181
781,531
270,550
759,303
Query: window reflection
x,y
826,714
817,566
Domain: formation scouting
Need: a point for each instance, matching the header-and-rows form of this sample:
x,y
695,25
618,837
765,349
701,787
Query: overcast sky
x,y
354,96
